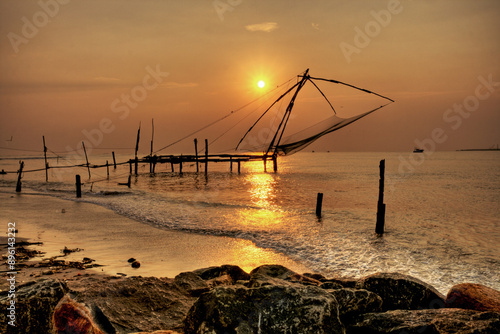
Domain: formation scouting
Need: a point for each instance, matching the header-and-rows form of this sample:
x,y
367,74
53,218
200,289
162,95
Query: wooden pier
x,y
179,160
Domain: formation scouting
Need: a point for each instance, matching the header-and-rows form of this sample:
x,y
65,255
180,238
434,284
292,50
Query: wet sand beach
x,y
111,239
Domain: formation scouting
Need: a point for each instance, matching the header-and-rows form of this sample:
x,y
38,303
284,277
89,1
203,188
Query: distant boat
x,y
417,150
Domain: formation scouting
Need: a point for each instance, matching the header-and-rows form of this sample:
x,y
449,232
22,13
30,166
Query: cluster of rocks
x,y
271,299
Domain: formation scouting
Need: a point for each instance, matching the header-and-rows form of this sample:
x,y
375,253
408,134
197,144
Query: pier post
x,y
206,156
180,164
265,164
114,160
231,164
379,228
86,158
46,163
196,155
19,177
107,169
130,166
319,204
239,165
275,163
78,186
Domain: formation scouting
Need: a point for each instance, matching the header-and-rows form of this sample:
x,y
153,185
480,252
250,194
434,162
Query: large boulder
x,y
443,320
34,305
353,302
134,304
402,292
473,297
278,275
234,272
267,309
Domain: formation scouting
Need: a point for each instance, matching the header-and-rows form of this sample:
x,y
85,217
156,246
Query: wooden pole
x,y
275,163
180,164
45,157
265,164
107,168
231,164
114,160
78,186
206,156
151,168
19,177
86,158
239,166
319,203
137,148
196,154
130,166
379,228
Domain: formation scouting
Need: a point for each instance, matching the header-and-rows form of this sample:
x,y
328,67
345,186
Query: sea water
x,y
442,208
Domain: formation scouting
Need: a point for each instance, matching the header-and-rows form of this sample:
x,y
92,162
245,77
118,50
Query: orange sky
x,y
67,65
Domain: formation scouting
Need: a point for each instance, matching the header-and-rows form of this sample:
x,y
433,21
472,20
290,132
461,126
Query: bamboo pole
x,y
206,156
19,177
86,158
137,147
196,154
45,157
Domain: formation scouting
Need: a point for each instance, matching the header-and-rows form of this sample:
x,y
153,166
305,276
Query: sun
x,y
261,84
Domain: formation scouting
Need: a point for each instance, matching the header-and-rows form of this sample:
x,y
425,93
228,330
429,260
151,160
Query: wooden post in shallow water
x,y
319,204
19,177
379,228
107,168
78,186
206,156
196,154
45,158
86,158
114,160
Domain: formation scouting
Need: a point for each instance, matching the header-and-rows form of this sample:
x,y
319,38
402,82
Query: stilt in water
x,y
137,148
196,154
231,164
46,163
107,169
206,156
239,166
19,177
379,228
151,168
319,204
86,158
275,163
78,186
114,160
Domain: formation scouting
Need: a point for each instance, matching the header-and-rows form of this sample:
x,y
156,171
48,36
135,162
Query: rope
x,y
220,119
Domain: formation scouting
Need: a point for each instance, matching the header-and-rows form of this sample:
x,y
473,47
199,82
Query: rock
x,y
473,297
443,320
133,304
131,260
35,303
331,285
278,275
136,264
72,317
353,302
402,292
234,272
266,309
192,283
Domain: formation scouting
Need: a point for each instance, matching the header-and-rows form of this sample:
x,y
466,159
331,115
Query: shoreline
x,y
111,239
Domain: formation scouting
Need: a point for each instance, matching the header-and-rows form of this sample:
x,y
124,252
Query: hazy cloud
x,y
172,84
264,27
